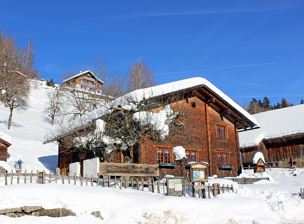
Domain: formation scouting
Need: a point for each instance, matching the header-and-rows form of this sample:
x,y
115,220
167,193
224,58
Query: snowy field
x,y
274,201
28,130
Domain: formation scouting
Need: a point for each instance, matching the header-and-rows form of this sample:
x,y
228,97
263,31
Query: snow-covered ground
x,y
29,129
263,202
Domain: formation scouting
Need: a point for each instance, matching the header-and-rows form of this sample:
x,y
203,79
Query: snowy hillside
x,y
28,130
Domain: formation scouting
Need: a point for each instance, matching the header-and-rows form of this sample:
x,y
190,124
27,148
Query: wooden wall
x,y
3,152
78,79
278,152
199,135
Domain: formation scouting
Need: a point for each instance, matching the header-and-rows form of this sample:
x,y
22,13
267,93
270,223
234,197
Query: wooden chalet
x,y
5,142
210,124
280,138
84,81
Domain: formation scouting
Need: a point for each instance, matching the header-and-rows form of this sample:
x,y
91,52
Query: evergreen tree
x,y
50,82
302,101
266,103
284,103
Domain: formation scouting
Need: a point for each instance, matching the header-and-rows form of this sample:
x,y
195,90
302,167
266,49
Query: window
x,y
220,132
163,155
193,104
191,156
222,159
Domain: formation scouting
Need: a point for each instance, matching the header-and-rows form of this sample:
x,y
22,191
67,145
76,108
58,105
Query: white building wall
x,y
91,167
74,169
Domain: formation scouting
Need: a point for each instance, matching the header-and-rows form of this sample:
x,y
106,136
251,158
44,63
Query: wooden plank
x,y
129,169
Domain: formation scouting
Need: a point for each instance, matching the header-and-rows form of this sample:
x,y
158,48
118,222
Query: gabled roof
x,y
5,138
274,124
157,91
83,73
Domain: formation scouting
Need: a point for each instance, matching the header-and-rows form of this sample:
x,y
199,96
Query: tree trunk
x,y
10,119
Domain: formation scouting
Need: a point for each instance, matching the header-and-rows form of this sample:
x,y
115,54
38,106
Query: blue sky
x,y
248,48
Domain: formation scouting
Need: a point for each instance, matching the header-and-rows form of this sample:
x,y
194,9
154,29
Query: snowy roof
x,y
180,85
156,91
82,73
5,137
257,156
274,124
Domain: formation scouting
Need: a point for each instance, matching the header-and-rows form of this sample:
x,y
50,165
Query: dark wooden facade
x,y
209,134
279,152
3,150
85,81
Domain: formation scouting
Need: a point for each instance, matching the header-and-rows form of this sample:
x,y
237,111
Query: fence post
x,y
31,177
75,179
12,176
24,176
5,178
92,180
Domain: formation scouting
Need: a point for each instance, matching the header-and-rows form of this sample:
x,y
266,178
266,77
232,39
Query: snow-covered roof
x,y
180,85
129,100
82,73
274,124
5,137
257,156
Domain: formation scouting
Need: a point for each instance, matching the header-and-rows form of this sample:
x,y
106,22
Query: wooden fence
x,y
301,193
148,183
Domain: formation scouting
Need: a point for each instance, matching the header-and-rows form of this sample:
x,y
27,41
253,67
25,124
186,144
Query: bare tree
x,y
123,127
111,87
140,76
14,84
54,104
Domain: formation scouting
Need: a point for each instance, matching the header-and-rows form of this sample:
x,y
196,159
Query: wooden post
x,y
24,175
92,180
209,196
142,184
86,179
137,183
158,187
5,178
208,138
50,177
132,182
68,179
81,181
75,179
153,187
62,179
31,177
12,176
120,180
115,181
18,177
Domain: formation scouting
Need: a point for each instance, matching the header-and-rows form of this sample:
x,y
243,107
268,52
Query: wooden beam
x,y
208,138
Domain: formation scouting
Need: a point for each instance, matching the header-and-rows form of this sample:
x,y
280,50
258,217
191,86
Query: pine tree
x,y
284,103
266,103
